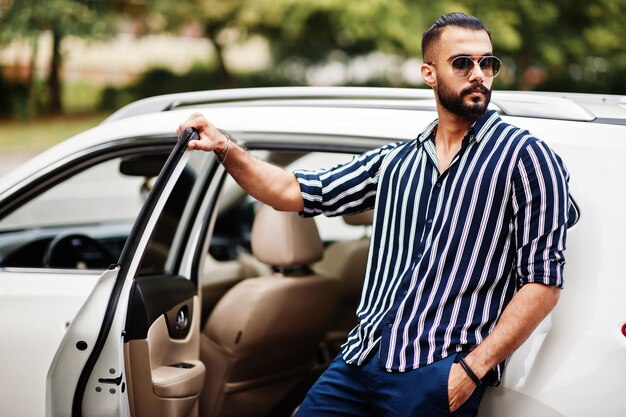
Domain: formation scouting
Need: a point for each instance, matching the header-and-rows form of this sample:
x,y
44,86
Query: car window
x,y
331,229
99,194
80,223
178,212
236,211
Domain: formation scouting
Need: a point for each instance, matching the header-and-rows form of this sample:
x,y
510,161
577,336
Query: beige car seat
x,y
347,262
263,336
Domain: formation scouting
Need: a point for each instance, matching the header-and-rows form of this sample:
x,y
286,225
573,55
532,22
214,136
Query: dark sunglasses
x,y
463,65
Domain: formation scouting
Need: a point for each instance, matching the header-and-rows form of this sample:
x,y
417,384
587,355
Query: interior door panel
x,y
161,348
155,295
164,374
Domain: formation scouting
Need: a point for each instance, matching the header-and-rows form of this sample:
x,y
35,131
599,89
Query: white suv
x,y
126,274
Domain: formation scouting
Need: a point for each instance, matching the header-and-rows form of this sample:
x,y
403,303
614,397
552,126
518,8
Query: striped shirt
x,y
448,251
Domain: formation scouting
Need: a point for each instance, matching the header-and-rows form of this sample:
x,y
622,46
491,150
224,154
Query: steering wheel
x,y
77,251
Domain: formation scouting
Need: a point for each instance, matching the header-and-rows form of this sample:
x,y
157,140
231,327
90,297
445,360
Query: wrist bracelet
x,y
469,372
225,151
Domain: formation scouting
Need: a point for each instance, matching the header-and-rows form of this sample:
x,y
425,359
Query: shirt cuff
x,y
549,272
311,190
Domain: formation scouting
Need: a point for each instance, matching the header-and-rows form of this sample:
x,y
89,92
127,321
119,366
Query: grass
x,y
80,96
42,132
32,135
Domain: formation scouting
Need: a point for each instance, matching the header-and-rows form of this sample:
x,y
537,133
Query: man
x,y
466,255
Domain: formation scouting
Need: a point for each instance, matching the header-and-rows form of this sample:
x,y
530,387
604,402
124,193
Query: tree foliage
x,y
27,19
24,18
544,42
559,41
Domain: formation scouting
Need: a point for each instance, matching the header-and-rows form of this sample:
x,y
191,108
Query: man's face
x,y
466,97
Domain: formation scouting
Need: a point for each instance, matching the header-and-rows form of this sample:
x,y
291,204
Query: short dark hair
x,y
458,19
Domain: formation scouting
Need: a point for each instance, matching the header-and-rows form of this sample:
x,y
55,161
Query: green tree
x,y
562,44
238,18
27,19
554,44
307,30
558,44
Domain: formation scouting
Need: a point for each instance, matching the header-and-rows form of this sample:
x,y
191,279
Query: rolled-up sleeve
x,y
540,205
343,189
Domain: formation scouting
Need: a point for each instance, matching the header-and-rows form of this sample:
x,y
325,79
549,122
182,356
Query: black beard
x,y
454,103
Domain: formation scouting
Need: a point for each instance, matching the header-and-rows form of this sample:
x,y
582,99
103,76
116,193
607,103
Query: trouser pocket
x,y
445,367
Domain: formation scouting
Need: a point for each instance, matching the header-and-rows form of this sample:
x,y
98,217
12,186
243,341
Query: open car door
x,y
133,348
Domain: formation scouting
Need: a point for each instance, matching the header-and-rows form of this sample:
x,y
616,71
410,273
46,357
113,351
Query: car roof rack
x,y
511,103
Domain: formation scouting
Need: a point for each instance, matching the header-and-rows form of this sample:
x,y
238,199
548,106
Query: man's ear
x,y
429,75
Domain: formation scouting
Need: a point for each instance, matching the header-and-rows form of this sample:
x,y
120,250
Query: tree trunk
x,y
54,82
31,91
224,77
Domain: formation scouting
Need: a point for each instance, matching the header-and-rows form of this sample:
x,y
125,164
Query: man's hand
x,y
211,139
460,387
529,306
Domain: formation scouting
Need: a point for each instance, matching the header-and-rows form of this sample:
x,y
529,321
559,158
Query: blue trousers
x,y
368,391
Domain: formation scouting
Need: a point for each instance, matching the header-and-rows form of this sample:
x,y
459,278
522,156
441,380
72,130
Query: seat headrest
x,y
364,218
284,239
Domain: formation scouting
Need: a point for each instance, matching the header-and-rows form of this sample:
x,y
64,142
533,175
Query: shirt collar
x,y
426,133
477,131
481,127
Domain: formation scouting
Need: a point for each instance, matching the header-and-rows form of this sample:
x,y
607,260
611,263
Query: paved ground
x,y
11,159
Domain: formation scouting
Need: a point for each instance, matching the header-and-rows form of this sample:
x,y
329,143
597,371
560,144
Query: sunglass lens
x,y
490,66
462,65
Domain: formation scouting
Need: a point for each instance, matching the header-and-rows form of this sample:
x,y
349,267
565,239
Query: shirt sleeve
x,y
343,189
540,205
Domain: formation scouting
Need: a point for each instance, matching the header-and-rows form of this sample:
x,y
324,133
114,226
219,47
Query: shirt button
x,y
419,255
438,184
430,221
390,325
405,292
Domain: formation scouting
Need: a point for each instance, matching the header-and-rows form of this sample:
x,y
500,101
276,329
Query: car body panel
x,y
38,307
75,350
